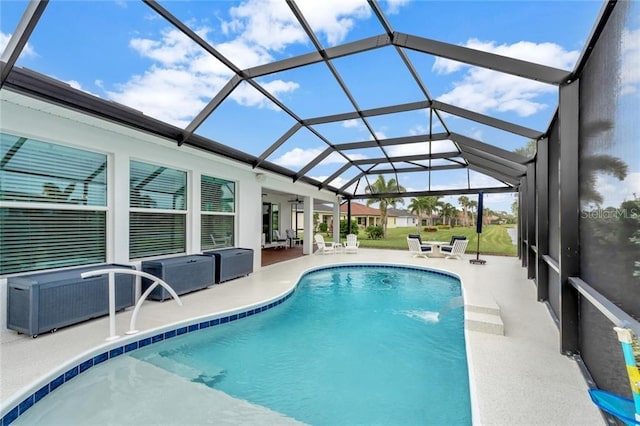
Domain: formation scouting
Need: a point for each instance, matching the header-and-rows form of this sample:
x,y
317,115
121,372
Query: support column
x,y
522,222
542,218
307,215
336,221
569,259
531,221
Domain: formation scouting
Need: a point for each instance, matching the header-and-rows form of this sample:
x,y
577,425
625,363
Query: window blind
x,y
157,221
218,206
71,229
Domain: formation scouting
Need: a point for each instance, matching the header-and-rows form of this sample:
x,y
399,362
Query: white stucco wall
x,y
26,117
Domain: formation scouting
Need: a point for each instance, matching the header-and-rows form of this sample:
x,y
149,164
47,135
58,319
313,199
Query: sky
x,y
125,52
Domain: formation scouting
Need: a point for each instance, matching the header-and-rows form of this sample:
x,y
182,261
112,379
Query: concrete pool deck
x,y
518,378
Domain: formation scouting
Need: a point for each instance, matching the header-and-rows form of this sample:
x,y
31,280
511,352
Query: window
x,y
52,205
158,210
218,210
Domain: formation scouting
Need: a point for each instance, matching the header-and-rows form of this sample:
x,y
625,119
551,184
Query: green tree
x,y
448,211
514,207
343,227
418,206
473,207
380,186
432,202
464,203
594,165
529,150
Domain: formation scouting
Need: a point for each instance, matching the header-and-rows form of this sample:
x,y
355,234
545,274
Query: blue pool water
x,y
354,345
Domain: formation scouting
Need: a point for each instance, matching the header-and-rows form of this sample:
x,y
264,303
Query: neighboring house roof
x,y
400,213
358,209
322,207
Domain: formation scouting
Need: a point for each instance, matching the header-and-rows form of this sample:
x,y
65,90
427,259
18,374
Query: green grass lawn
x,y
494,239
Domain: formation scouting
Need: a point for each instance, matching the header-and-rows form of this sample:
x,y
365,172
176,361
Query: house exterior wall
x,y
121,144
404,221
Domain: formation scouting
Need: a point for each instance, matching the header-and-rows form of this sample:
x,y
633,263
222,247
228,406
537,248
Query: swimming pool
x,y
354,345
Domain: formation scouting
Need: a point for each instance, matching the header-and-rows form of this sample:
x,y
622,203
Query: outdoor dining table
x,y
436,247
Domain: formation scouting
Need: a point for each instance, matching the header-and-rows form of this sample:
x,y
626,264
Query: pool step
x,y
485,308
207,377
478,319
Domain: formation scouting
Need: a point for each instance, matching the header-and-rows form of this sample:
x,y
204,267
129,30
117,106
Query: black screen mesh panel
x,y
554,191
554,291
609,204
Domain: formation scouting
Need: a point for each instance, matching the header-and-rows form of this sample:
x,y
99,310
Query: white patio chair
x,y
352,244
417,249
279,241
324,247
455,250
292,237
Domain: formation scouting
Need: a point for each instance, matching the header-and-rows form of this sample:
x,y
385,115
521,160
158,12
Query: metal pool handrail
x,y
112,295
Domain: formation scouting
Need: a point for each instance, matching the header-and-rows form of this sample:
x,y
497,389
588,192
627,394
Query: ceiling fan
x,y
297,200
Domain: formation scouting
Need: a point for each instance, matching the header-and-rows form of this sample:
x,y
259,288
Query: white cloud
x,y
614,192
76,85
393,6
266,23
242,54
247,95
355,123
184,77
407,149
171,95
420,148
336,158
334,18
485,90
355,156
271,25
174,48
380,134
477,134
337,182
27,51
447,66
418,130
629,69
549,54
298,157
480,180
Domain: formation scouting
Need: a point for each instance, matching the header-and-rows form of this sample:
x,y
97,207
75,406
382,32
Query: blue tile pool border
x,y
28,402
114,352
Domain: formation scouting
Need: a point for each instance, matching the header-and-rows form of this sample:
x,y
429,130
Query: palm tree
x,y
448,210
473,206
593,166
464,203
432,202
418,206
380,186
